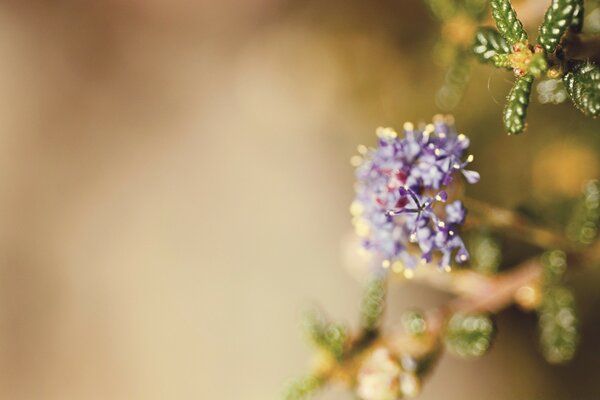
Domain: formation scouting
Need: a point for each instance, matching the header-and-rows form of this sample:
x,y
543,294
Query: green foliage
x,y
456,17
537,65
517,101
302,388
373,304
583,224
469,335
557,316
557,20
414,322
508,48
486,253
491,47
558,325
330,337
583,86
554,263
455,82
507,22
578,15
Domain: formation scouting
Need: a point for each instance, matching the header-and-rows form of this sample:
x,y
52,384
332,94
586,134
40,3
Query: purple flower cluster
x,y
402,185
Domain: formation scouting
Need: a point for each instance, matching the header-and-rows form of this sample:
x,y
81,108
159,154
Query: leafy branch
x,y
553,56
464,326
403,214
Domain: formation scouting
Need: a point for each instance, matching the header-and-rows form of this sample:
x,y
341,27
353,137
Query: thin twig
x,y
514,224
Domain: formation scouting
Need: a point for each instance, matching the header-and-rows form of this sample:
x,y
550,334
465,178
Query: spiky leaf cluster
x,y
554,265
491,47
578,14
515,110
458,19
486,253
583,85
302,388
557,317
373,304
329,336
507,22
508,47
414,322
583,224
469,335
558,325
557,20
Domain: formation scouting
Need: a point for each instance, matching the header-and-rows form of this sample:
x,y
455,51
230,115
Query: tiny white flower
x,y
379,377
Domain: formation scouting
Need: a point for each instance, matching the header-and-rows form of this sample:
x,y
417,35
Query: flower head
x,y
401,208
382,376
378,378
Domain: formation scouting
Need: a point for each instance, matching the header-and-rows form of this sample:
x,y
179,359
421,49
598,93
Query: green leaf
x,y
507,22
486,253
578,15
583,86
455,82
469,335
329,336
554,265
302,388
537,65
414,322
490,46
442,9
582,227
373,304
558,325
517,101
557,20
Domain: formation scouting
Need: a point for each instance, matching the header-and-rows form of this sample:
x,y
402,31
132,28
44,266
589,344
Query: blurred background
x,y
175,182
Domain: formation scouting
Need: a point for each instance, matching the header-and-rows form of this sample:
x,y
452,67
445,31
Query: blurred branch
x,y
493,294
476,292
514,224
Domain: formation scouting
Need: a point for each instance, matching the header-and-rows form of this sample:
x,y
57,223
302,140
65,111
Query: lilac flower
x,y
402,186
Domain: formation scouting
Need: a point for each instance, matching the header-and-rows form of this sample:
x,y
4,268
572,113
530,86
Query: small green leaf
x,y
414,322
537,65
582,227
558,325
557,20
554,265
502,61
373,304
329,336
583,86
578,15
469,335
455,82
490,45
517,101
486,253
302,388
507,22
